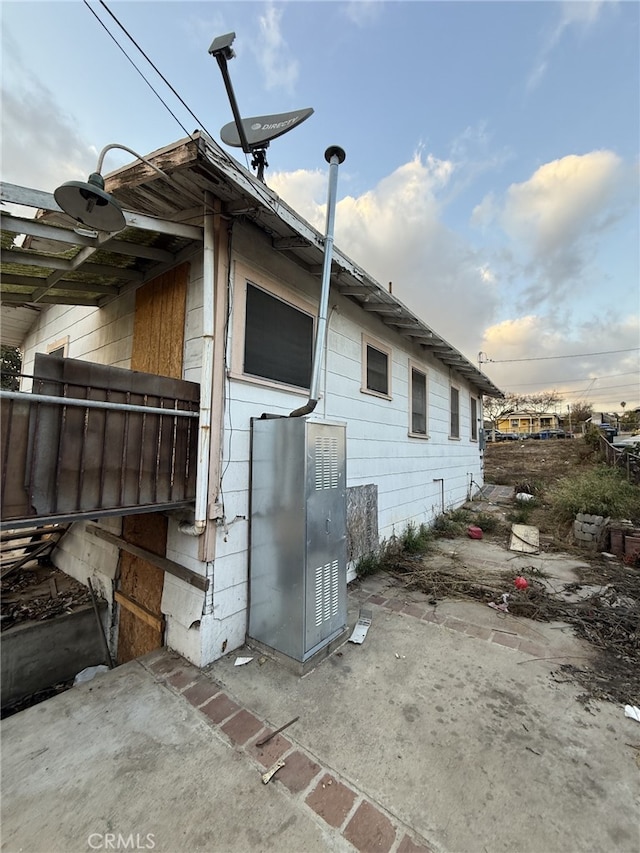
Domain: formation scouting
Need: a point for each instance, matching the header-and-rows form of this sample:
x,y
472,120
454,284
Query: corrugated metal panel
x,y
75,461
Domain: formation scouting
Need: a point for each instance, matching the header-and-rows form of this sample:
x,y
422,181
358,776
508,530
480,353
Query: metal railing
x,y
73,451
622,459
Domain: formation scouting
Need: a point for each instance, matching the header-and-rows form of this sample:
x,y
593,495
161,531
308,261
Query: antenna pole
x,y
222,62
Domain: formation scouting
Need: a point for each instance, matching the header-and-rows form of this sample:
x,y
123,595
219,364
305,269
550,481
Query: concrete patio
x,y
444,731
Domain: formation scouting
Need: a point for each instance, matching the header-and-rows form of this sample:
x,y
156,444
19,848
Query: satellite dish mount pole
x,y
222,50
253,135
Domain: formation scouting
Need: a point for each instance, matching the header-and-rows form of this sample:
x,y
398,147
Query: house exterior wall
x,y
526,422
105,336
380,450
406,469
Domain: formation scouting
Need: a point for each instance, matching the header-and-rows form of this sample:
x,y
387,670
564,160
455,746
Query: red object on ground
x,y
520,583
474,532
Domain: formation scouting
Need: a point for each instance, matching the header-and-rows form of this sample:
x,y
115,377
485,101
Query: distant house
x,y
528,422
205,307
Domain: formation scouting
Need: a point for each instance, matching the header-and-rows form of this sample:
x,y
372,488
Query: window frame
x,y
243,276
474,430
423,371
61,344
385,349
454,435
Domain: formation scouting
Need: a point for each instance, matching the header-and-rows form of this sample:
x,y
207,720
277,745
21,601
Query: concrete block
x,y
37,655
582,537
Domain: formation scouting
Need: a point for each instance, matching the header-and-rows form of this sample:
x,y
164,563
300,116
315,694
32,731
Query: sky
x,y
492,168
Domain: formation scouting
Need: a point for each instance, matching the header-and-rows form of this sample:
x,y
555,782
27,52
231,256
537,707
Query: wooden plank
x,y
163,563
158,335
155,622
45,201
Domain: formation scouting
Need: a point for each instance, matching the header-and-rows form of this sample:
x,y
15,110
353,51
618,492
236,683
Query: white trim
x,y
385,349
419,368
61,343
244,275
454,387
473,397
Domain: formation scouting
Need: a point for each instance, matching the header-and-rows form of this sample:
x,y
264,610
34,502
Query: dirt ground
x,y
534,466
535,463
601,601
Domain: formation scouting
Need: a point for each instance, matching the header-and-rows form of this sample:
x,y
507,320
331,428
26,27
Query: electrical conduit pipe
x,y
334,155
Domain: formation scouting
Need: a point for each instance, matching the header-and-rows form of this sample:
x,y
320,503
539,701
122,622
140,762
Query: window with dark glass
x,y
454,431
278,339
418,402
377,370
474,419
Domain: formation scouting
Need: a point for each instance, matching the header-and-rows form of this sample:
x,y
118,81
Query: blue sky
x,y
492,150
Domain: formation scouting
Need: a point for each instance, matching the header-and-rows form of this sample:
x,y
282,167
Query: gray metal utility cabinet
x,y
298,569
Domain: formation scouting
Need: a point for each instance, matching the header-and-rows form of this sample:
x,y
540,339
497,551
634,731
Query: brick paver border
x,y
366,825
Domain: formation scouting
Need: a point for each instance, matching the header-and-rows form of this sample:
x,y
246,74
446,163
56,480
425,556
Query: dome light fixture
x,y
89,203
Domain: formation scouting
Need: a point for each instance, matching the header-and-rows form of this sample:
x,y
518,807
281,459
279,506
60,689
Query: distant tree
x,y
542,403
496,408
581,412
630,421
10,365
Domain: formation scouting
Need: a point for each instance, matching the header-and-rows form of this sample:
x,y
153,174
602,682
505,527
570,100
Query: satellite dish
x,y
262,129
253,135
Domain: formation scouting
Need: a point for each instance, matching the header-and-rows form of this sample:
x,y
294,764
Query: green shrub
x,y
448,525
368,565
486,521
592,436
413,540
416,540
600,491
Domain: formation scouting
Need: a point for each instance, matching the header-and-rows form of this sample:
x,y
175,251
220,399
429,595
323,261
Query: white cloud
x,y
563,201
41,146
363,13
395,232
279,67
536,353
556,220
573,13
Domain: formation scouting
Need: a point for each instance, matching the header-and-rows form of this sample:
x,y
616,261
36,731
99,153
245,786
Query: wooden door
x,y
158,340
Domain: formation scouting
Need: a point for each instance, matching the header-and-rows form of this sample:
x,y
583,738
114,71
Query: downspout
x,y
334,155
206,378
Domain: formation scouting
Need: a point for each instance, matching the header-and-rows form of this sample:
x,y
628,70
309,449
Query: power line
x,y
582,379
549,357
156,69
231,161
119,46
589,391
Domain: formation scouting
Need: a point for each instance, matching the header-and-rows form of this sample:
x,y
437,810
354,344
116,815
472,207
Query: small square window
x,y
376,367
454,430
418,404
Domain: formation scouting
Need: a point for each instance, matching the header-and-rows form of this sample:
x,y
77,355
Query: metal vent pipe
x,y
334,155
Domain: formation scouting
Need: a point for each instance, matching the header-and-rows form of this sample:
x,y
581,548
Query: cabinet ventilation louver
x,y
326,462
327,591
